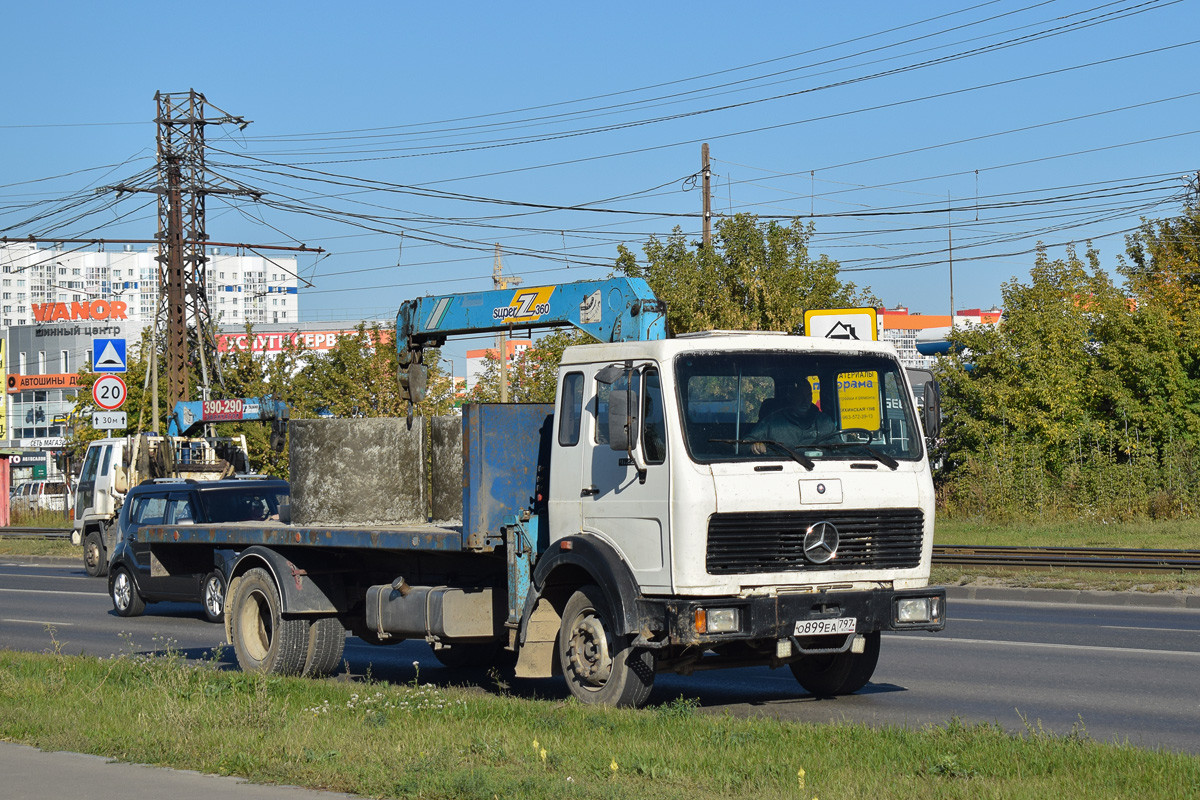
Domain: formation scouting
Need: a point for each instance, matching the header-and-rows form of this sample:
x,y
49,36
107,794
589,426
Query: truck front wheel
x,y
95,559
264,640
600,665
839,673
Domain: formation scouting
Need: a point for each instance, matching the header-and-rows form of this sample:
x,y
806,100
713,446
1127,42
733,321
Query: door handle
x,y
589,491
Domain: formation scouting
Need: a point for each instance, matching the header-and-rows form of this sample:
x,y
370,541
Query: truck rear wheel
x,y
839,673
95,559
326,643
264,640
600,665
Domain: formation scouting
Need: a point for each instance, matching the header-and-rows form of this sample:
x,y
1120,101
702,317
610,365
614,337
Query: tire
x,y
326,643
839,673
95,558
264,640
473,655
124,594
600,666
212,596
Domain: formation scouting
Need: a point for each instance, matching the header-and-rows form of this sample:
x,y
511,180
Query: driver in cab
x,y
790,419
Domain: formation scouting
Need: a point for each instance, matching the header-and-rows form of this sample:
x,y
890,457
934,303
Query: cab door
x,y
630,508
85,491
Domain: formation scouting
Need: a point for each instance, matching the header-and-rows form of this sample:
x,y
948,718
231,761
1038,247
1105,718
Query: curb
x,y
1074,597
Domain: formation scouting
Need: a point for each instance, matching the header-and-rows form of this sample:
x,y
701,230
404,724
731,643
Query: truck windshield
x,y
804,407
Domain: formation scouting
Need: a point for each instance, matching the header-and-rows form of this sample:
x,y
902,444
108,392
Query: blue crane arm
x,y
613,310
189,416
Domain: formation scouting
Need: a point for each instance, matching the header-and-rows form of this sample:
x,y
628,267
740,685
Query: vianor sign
x,y
72,312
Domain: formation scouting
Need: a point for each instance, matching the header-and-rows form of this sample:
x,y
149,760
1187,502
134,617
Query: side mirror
x,y
609,375
120,479
623,424
933,410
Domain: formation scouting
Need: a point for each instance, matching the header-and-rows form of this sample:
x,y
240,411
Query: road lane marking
x,y
47,577
55,591
1053,646
1143,628
1108,627
39,622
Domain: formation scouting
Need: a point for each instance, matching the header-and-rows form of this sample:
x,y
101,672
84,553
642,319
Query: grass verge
x,y
1067,579
1165,535
28,546
40,519
384,740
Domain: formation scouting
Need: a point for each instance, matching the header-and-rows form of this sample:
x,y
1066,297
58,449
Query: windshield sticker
x,y
858,397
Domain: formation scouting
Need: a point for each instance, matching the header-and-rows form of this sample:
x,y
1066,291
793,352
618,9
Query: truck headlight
x,y
717,620
913,610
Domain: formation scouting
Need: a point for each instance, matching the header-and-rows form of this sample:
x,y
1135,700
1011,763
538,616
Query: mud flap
x,y
535,659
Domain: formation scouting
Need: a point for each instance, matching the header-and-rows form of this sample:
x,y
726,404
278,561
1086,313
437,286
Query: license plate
x,y
821,627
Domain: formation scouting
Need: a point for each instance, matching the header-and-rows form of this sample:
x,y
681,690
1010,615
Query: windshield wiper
x,y
798,457
879,456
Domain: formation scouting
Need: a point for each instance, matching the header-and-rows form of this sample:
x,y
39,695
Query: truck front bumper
x,y
804,616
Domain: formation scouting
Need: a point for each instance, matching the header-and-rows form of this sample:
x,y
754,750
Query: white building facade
x,y
54,303
241,289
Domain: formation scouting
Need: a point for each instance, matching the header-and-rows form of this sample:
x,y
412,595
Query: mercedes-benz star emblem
x,y
820,542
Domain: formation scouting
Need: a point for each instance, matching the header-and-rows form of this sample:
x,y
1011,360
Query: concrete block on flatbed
x,y
357,471
446,457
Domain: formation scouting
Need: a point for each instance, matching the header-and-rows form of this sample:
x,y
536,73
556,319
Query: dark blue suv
x,y
133,577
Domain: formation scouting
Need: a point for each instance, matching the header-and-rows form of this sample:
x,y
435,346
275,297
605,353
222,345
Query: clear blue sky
x,y
1018,124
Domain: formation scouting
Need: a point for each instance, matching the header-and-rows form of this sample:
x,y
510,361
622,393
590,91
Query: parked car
x,y
131,581
40,495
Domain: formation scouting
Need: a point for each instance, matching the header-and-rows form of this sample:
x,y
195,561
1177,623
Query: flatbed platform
x,y
414,536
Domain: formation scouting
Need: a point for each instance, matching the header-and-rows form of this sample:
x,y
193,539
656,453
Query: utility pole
x,y
182,119
500,282
706,173
183,184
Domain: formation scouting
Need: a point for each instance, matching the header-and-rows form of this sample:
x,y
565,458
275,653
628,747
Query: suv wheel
x,y
124,593
213,597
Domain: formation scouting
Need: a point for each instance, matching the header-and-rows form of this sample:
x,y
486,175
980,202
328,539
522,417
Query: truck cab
x,y
795,552
694,510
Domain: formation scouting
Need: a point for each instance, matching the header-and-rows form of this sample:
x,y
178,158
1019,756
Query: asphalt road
x,y
1123,673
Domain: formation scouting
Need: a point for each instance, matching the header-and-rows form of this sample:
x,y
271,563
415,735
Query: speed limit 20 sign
x,y
109,392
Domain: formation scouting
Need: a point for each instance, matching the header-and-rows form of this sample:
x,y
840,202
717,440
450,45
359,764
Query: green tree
x,y
358,377
755,276
533,376
1079,401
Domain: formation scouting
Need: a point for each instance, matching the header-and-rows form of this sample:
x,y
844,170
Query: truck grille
x,y
748,542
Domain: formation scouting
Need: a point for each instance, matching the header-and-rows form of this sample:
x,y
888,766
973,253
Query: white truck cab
x,y
776,543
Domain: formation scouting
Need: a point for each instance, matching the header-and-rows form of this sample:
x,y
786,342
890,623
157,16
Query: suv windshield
x,y
740,406
253,503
